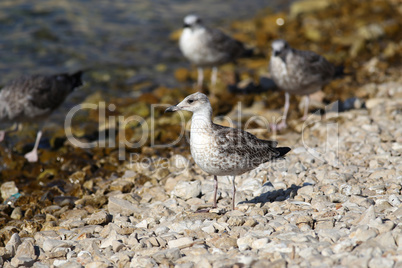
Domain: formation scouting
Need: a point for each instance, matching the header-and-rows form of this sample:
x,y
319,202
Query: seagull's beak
x,y
171,109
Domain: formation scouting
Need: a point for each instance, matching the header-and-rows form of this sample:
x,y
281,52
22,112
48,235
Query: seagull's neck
x,y
202,118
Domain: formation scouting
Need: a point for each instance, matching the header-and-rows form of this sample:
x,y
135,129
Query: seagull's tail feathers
x,y
76,79
248,53
282,151
340,72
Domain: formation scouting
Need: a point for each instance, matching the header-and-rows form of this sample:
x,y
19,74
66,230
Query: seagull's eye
x,y
190,101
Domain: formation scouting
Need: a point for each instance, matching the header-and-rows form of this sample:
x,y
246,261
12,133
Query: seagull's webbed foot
x,y
282,125
32,156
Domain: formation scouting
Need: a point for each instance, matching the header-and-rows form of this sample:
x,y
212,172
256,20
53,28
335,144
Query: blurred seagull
x,y
207,47
299,72
223,151
33,98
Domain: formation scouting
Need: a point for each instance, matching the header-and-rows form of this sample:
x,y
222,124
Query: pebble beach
x,y
333,201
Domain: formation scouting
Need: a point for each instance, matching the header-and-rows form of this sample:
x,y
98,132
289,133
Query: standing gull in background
x,y
298,72
223,151
207,47
33,98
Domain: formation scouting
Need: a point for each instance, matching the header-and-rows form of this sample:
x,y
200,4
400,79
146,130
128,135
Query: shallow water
x,y
109,38
53,36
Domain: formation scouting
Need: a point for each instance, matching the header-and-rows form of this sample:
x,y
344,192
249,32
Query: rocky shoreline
x,y
334,201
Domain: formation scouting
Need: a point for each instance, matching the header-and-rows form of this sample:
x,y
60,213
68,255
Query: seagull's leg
x,y
32,156
306,103
216,190
234,192
283,124
214,75
4,132
2,135
200,77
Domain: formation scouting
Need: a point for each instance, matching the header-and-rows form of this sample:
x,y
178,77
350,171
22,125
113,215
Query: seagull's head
x,y
191,21
192,103
279,47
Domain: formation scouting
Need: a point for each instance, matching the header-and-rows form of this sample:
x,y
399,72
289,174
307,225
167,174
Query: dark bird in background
x,y
33,99
299,72
208,47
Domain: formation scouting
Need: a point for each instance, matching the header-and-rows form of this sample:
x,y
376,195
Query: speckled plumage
x,y
207,47
33,98
298,72
220,150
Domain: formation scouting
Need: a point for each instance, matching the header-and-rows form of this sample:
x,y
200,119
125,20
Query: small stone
x,y
382,205
121,185
306,190
154,242
8,189
179,163
97,264
223,242
98,218
142,224
141,261
117,246
187,189
13,244
209,229
172,254
25,255
181,242
236,221
16,214
260,243
381,262
50,244
161,230
386,241
244,243
366,217
364,235
121,206
394,200
22,262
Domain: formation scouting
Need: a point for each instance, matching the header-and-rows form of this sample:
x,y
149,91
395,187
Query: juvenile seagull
x,y
33,98
298,72
207,47
223,151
